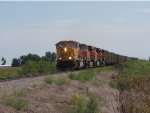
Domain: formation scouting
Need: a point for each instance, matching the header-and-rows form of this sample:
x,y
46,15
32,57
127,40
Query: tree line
x,y
49,57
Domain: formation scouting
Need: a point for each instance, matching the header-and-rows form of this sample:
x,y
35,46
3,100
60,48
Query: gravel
x,y
23,83
20,84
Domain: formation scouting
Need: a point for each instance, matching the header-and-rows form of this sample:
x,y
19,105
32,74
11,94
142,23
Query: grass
x,y
17,100
134,85
83,75
88,74
57,81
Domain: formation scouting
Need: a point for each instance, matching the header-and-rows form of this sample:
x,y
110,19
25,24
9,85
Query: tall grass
x,y
134,85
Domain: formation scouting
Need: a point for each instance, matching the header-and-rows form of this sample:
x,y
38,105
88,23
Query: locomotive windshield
x,y
67,44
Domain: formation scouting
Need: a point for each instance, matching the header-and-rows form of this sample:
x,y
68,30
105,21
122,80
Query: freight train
x,y
74,55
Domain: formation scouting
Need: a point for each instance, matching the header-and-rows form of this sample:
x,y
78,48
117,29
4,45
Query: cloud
x,y
67,22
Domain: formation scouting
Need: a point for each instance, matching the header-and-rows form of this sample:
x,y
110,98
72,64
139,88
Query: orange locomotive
x,y
73,55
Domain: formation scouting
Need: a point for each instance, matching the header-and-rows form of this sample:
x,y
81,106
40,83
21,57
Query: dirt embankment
x,y
46,98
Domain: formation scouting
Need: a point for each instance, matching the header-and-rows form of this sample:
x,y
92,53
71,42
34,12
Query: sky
x,y
35,27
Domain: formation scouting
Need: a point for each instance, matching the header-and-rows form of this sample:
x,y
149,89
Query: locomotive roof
x,y
68,41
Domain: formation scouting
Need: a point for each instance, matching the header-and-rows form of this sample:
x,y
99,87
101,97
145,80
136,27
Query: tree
x,y
48,55
53,58
25,58
15,62
44,58
3,61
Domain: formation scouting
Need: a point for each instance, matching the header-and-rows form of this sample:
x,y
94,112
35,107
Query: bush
x,y
34,67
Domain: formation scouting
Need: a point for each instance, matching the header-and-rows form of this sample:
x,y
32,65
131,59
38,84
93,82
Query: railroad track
x,y
29,76
38,75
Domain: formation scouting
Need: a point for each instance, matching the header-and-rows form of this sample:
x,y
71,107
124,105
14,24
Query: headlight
x,y
65,49
70,58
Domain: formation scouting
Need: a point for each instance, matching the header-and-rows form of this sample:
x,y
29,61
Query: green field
x,y
9,72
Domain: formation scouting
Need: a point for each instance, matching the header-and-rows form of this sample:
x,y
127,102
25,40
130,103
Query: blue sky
x,y
35,27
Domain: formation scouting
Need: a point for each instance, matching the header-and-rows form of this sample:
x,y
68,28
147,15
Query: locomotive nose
x,y
66,54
